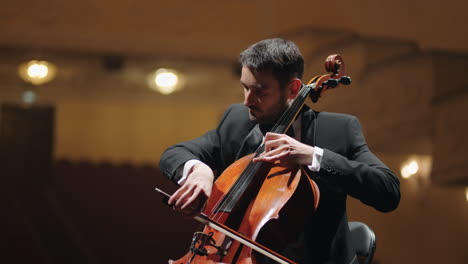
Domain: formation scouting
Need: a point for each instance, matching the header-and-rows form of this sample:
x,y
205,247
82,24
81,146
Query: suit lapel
x,y
308,135
251,142
255,136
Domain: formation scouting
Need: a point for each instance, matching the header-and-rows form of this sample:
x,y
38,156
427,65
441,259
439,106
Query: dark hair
x,y
280,56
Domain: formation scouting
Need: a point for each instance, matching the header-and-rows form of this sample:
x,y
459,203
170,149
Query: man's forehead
x,y
263,79
256,85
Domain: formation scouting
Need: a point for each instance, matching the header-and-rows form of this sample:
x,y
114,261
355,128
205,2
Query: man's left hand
x,y
283,148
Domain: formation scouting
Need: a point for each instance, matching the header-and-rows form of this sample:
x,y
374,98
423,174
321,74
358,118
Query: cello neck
x,y
291,113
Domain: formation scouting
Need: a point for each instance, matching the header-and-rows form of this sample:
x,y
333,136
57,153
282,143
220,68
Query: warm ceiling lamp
x,y
37,72
409,169
164,81
417,166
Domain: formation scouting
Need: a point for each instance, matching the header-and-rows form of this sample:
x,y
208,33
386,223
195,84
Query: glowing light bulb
x,y
37,72
409,169
413,167
165,81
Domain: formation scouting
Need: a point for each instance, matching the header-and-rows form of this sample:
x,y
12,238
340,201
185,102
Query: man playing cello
x,y
330,146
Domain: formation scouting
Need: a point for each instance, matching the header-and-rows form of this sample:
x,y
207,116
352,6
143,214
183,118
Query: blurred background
x,y
92,92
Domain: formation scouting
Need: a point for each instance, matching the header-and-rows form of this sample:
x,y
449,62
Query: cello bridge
x,y
199,242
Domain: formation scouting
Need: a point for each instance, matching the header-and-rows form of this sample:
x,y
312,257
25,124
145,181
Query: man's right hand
x,y
193,193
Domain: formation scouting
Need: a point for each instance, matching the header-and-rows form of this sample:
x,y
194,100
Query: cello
x,y
261,206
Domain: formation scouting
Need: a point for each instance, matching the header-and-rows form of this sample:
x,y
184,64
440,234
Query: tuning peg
x,y
345,80
332,83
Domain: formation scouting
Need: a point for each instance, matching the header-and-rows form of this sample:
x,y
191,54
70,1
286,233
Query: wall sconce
x,y
416,171
37,72
409,169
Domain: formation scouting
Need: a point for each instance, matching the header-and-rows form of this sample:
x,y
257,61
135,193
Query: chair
x,y
363,240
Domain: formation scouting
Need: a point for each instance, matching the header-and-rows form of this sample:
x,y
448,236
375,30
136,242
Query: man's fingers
x,y
274,155
191,199
271,135
175,196
190,196
280,149
188,192
276,144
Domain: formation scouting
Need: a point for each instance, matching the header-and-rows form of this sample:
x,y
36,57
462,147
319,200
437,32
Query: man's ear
x,y
294,87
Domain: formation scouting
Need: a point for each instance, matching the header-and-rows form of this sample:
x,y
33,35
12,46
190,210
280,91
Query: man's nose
x,y
249,98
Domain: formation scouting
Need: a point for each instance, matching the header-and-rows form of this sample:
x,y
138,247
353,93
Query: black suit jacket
x,y
347,168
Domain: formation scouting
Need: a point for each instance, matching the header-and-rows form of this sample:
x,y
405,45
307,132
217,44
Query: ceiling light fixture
x,y
164,81
409,169
37,72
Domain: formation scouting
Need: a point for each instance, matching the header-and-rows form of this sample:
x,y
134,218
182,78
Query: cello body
x,y
278,188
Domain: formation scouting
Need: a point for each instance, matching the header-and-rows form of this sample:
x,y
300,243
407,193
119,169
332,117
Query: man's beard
x,y
271,118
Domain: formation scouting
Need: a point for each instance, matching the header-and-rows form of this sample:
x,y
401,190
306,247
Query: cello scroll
x,y
335,66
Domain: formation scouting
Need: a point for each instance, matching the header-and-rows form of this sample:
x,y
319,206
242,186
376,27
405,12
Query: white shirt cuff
x,y
187,167
316,159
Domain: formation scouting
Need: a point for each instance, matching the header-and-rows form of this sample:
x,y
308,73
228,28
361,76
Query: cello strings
x,y
284,120
240,186
246,177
